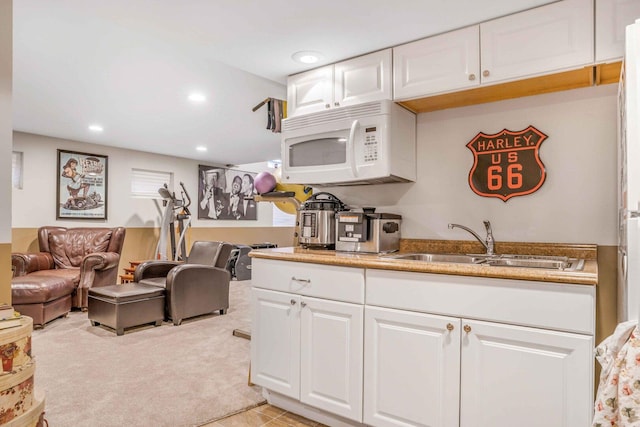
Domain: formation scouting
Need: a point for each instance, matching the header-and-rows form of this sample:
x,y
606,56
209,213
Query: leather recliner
x,y
70,261
198,286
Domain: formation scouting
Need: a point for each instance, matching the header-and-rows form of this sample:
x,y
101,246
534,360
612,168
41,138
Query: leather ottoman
x,y
42,297
126,305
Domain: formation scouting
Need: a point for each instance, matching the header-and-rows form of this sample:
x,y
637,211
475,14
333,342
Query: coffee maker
x,y
367,232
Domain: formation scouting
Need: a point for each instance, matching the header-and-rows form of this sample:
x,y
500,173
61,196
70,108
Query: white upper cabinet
x,y
363,79
310,91
538,41
550,38
612,17
446,62
354,81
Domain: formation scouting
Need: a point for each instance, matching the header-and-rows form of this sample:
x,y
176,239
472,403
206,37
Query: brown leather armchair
x,y
198,286
71,260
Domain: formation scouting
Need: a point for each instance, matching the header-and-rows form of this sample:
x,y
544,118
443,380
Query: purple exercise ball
x,y
264,182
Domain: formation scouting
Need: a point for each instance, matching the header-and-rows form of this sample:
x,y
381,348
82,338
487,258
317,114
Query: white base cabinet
x,y
412,368
420,349
309,348
524,360
276,327
523,376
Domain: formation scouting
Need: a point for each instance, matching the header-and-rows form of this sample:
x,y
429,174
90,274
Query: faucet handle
x,y
490,248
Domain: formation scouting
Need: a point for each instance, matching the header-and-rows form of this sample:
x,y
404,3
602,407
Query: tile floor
x,y
264,415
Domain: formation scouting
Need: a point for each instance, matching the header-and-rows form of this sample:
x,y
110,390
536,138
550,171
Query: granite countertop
x,y
587,276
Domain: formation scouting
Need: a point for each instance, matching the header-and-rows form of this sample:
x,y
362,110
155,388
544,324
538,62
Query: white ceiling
x,y
129,65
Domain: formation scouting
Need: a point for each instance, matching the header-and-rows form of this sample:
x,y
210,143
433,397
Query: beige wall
x,y
6,126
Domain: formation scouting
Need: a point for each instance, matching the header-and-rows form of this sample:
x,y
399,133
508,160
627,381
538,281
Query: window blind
x,y
146,183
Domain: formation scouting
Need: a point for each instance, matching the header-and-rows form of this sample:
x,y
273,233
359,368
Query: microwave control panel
x,y
370,144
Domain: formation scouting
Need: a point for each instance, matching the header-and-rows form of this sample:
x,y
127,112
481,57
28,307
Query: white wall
x,y
35,204
6,121
576,204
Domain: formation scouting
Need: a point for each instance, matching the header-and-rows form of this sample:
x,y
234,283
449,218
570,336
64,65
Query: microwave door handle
x,y
351,147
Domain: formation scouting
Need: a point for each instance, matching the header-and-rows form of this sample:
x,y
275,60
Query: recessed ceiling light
x,y
307,57
197,97
96,128
201,148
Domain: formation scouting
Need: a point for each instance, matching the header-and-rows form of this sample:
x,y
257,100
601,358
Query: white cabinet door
x,y
310,91
525,377
412,369
275,341
331,356
363,79
437,64
612,17
537,41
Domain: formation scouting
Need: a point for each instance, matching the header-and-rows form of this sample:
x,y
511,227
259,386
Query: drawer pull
x,y
300,280
293,302
303,304
449,327
467,328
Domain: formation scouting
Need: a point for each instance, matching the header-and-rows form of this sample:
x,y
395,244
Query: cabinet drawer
x,y
316,280
540,304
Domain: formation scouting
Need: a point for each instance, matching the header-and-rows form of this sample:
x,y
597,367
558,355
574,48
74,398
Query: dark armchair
x,y
198,286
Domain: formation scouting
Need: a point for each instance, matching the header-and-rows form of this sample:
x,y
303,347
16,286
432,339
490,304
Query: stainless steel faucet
x,y
487,243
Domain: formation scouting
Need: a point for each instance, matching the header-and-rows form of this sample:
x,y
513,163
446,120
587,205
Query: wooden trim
x,y
574,79
608,73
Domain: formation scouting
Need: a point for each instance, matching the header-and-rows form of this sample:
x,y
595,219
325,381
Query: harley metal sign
x,y
507,164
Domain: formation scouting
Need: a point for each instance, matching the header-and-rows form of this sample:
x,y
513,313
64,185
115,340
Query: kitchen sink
x,y
452,258
503,260
537,261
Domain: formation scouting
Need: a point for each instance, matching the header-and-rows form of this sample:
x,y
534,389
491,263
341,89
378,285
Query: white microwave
x,y
369,143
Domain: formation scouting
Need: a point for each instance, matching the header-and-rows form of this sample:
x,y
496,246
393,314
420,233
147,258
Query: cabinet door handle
x,y
303,304
485,73
293,302
327,105
467,328
472,77
337,104
295,279
449,327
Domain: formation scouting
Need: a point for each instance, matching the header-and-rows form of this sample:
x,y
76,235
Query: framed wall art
x,y
82,186
226,194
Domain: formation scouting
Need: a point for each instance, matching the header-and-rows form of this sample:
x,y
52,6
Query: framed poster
x,y
82,186
226,194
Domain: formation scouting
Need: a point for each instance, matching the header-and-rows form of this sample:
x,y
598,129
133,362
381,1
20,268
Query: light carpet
x,y
169,375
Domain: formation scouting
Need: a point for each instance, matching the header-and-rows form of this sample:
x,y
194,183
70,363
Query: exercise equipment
x,y
167,225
